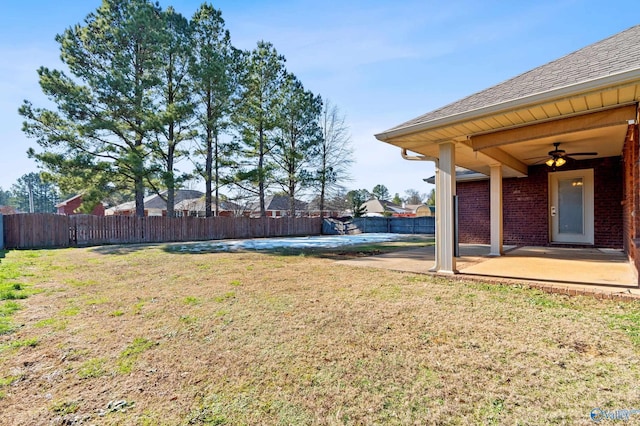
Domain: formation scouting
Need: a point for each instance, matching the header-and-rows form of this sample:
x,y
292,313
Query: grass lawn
x,y
146,335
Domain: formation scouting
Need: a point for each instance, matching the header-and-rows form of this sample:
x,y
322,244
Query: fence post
x,y
1,232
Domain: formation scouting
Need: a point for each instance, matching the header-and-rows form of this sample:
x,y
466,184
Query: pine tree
x,y
297,139
176,107
214,72
357,198
31,194
257,116
5,197
105,110
380,192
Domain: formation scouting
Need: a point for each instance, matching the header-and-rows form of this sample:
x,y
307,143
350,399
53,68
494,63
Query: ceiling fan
x,y
559,156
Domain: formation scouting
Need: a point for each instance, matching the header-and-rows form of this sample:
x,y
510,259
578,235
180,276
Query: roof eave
x,y
536,98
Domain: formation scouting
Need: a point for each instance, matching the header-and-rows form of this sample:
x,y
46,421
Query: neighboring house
x,y
8,210
518,137
330,210
278,206
71,206
420,210
197,207
377,207
154,205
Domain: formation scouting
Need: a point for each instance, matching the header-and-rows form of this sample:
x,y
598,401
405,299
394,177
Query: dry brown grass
x,y
144,336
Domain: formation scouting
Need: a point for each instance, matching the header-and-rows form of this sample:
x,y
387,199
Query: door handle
x,y
553,210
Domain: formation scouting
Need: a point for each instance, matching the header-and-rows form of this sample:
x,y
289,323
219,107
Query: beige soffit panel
x,y
611,117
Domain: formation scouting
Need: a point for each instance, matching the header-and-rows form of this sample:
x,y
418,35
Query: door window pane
x,y
570,206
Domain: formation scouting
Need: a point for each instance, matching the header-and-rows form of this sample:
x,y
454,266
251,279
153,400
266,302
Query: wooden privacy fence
x,y
394,225
23,231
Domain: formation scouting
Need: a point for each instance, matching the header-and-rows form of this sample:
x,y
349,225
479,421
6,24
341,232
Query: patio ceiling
x,y
596,113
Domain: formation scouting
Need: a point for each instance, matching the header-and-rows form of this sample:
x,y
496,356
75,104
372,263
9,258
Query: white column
x,y
444,198
438,215
495,192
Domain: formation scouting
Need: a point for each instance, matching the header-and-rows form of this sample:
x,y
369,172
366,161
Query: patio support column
x,y
445,191
496,209
438,215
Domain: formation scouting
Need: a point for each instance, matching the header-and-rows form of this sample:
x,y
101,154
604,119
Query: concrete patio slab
x,y
422,259
560,265
571,269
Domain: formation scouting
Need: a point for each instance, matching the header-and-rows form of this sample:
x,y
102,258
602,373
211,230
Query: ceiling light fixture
x,y
559,156
556,162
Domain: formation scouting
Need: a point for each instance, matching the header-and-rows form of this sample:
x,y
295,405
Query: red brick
x,y
525,206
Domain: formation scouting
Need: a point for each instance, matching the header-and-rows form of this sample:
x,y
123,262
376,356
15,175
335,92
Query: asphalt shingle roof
x,y
613,55
199,204
154,201
279,202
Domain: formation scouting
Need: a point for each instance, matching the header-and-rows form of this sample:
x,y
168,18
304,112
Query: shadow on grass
x,y
125,249
349,252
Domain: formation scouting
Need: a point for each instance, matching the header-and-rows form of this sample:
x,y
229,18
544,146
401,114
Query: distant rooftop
x,y
462,175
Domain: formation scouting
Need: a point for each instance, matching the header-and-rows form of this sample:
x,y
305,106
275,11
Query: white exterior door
x,y
571,206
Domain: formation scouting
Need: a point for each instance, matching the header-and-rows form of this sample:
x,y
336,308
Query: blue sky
x,y
381,62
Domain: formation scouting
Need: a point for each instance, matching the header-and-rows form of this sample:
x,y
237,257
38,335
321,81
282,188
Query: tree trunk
x,y
323,181
169,177
170,181
322,185
208,177
171,146
139,195
138,175
292,200
209,159
217,166
263,212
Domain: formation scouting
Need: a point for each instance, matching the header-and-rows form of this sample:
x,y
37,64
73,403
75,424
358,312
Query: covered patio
x,y
589,271
553,155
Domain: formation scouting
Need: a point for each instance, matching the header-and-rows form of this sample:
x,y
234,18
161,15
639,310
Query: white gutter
x,y
536,98
436,265
418,157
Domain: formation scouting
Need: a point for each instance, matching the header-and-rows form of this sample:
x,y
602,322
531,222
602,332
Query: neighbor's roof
x,y
280,202
67,201
156,202
379,206
199,205
613,56
462,175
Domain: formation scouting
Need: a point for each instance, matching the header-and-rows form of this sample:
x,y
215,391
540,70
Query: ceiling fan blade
x,y
541,161
581,153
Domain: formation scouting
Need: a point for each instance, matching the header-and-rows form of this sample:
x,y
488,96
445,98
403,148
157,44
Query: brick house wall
x,y
525,206
631,201
72,205
608,198
473,212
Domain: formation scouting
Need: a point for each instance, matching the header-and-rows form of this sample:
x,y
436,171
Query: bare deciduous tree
x,y
414,196
335,153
